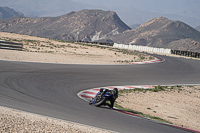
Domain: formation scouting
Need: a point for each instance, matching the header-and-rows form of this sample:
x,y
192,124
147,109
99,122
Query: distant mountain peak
x,y
162,33
85,25
95,11
158,20
6,12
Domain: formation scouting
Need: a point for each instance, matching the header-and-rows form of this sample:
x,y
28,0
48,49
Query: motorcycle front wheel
x,y
100,102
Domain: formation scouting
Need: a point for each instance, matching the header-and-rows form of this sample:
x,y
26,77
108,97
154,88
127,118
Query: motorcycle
x,y
103,95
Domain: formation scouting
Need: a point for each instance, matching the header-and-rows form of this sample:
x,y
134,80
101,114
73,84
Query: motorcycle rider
x,y
112,99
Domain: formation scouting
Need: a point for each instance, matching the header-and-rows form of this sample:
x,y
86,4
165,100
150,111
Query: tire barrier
x,y
11,45
100,43
186,53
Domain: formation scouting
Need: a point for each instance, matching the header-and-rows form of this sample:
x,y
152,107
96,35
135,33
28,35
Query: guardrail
x,y
143,48
11,45
158,50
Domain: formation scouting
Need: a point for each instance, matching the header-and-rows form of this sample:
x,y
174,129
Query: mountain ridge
x,y
84,25
131,12
162,33
106,26
6,12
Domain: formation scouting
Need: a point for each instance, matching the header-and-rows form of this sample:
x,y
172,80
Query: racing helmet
x,y
101,89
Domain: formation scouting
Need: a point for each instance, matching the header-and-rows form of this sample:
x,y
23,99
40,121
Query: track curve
x,y
51,89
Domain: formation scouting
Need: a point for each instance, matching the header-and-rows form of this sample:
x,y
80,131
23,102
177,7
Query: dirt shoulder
x,y
36,49
179,106
15,121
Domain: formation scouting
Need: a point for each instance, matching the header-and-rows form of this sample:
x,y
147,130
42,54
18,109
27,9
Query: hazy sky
x,y
161,6
183,10
130,11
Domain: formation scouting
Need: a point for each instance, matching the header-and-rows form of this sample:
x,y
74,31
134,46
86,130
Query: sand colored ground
x,y
181,106
38,49
15,121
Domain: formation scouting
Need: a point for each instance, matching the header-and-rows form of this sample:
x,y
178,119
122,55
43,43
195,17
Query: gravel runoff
x,y
15,121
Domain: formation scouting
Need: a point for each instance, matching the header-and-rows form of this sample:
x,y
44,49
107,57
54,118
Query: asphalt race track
x,y
51,90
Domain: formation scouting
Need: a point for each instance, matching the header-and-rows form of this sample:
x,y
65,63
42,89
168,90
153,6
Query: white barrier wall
x,y
143,48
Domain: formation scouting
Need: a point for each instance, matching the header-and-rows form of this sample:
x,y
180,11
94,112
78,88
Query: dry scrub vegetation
x,y
177,104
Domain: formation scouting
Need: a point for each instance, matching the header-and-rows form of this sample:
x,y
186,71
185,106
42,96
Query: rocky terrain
x,y
106,26
131,12
6,12
84,25
162,33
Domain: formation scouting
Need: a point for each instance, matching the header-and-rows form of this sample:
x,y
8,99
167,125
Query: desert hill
x,y
163,33
6,12
85,25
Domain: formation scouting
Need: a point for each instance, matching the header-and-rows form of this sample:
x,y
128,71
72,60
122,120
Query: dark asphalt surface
x,y
51,90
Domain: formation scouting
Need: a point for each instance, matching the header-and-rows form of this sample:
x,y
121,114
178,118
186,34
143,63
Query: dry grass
x,y
178,105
